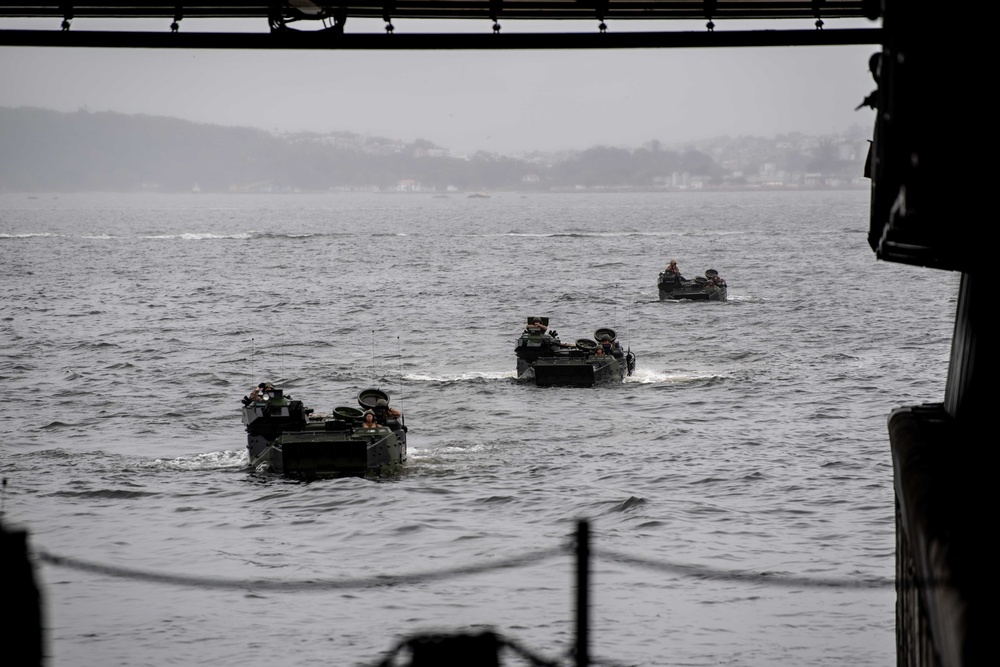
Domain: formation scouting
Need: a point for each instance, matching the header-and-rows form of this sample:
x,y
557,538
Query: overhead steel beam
x,y
317,9
333,40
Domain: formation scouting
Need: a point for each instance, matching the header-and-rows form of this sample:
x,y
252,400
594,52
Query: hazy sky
x,y
466,100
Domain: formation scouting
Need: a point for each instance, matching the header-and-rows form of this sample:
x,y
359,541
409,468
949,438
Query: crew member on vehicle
x,y
258,392
383,412
369,420
674,269
607,345
536,326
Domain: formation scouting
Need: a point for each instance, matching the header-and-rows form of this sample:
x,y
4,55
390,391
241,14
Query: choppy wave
x,y
570,235
29,235
473,376
649,376
224,460
200,236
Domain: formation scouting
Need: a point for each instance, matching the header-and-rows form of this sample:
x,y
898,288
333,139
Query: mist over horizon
x,y
851,129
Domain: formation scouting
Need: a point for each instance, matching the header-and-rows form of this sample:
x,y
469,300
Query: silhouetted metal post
x,y
22,599
582,593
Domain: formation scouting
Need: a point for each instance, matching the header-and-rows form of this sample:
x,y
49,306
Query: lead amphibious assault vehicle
x,y
545,360
286,437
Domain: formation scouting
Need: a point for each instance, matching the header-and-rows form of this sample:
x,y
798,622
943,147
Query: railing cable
x,y
312,584
522,560
743,576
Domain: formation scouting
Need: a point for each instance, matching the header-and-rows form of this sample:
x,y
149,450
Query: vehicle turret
x,y
268,412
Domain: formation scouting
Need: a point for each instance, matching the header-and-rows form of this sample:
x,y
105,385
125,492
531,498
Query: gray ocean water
x,y
751,439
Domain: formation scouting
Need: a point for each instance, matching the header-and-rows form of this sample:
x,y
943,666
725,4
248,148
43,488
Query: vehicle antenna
x,y
373,357
614,319
399,354
252,376
628,324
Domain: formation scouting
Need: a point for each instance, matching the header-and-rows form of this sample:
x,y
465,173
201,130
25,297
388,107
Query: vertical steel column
x,y
582,593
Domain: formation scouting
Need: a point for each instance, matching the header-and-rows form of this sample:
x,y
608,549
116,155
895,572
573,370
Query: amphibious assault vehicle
x,y
710,287
285,437
545,360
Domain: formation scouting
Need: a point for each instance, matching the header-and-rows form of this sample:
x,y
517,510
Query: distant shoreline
x,y
33,194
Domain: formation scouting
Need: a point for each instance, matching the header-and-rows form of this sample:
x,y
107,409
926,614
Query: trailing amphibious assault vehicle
x,y
545,360
710,287
286,437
